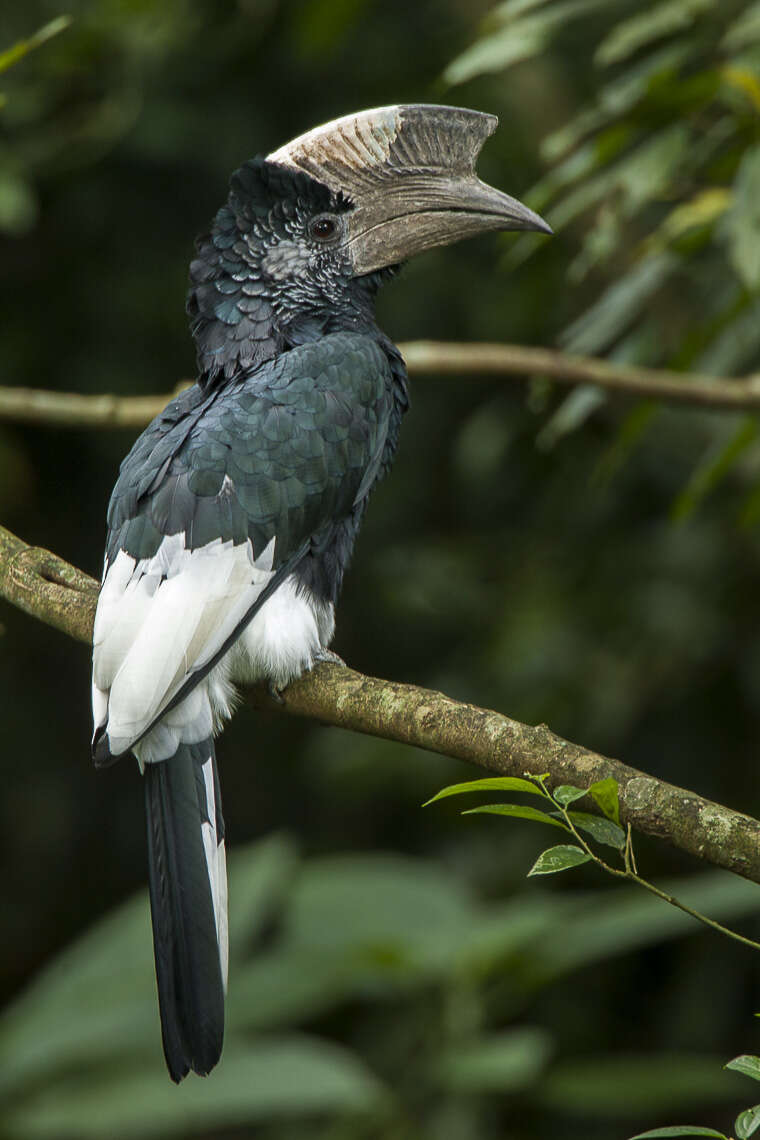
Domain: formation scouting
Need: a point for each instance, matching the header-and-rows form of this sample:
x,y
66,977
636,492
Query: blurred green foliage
x,y
745,1125
586,562
436,982
666,159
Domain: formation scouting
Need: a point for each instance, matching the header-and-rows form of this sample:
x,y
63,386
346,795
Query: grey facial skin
x,y
411,171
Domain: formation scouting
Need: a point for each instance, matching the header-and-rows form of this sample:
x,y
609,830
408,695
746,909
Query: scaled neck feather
x,y
256,289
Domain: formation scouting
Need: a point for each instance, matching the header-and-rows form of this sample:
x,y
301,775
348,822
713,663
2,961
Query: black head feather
x,y
266,276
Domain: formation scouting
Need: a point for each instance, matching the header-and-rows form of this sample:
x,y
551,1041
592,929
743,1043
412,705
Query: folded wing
x,y
216,504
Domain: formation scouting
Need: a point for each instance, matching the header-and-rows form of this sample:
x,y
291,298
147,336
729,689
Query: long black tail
x,y
188,899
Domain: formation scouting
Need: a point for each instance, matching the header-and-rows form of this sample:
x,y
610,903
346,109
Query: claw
x,y
329,656
275,693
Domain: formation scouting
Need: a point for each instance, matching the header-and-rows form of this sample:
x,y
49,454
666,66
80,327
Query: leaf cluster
x,y
745,1125
603,828
657,182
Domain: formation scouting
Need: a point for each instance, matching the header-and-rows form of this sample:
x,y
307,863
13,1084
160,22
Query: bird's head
x,y
304,238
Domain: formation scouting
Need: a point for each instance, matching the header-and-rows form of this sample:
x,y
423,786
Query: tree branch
x,y
48,588
43,585
424,358
72,409
430,357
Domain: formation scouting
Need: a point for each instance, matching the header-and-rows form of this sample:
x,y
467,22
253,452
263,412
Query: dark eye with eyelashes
x,y
323,228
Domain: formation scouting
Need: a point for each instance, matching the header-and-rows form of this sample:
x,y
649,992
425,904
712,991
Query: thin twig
x,y
73,410
424,358
632,876
48,588
430,357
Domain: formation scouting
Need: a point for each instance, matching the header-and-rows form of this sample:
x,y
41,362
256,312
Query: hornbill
x,y
235,513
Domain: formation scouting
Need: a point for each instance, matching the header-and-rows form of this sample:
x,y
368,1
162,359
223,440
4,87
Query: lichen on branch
x,y
46,587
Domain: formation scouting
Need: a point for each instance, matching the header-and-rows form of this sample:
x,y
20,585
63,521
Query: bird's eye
x,y
323,228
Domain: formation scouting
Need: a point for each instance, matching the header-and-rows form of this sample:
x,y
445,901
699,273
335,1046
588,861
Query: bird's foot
x,y
327,655
275,692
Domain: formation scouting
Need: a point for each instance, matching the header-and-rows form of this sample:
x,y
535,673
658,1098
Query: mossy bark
x,y
59,594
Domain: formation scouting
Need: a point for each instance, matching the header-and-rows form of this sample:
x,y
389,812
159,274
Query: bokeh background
x,y
588,562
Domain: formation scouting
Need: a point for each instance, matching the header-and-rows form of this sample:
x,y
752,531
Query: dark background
x,y
594,567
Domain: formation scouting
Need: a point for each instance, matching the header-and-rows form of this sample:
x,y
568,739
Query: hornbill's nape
x,y
235,513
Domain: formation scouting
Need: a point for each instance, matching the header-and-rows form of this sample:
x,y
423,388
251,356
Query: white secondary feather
x,y
217,868
161,618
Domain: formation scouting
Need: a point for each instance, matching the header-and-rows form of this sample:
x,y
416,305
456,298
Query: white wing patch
x,y
160,619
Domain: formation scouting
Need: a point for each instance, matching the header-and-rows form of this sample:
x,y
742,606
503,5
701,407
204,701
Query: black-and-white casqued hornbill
x,y
235,513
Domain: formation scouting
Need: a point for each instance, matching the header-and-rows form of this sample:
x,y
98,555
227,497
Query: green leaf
x,y
741,223
19,50
747,1122
745,78
18,202
745,30
629,437
615,98
578,165
518,811
646,174
567,793
516,41
323,26
510,928
652,24
283,987
560,858
495,784
736,345
387,918
679,1130
501,1063
601,243
497,51
714,467
511,9
602,830
604,793
583,197
97,997
746,1064
277,1078
702,209
594,1087
571,414
643,175
619,305
259,877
